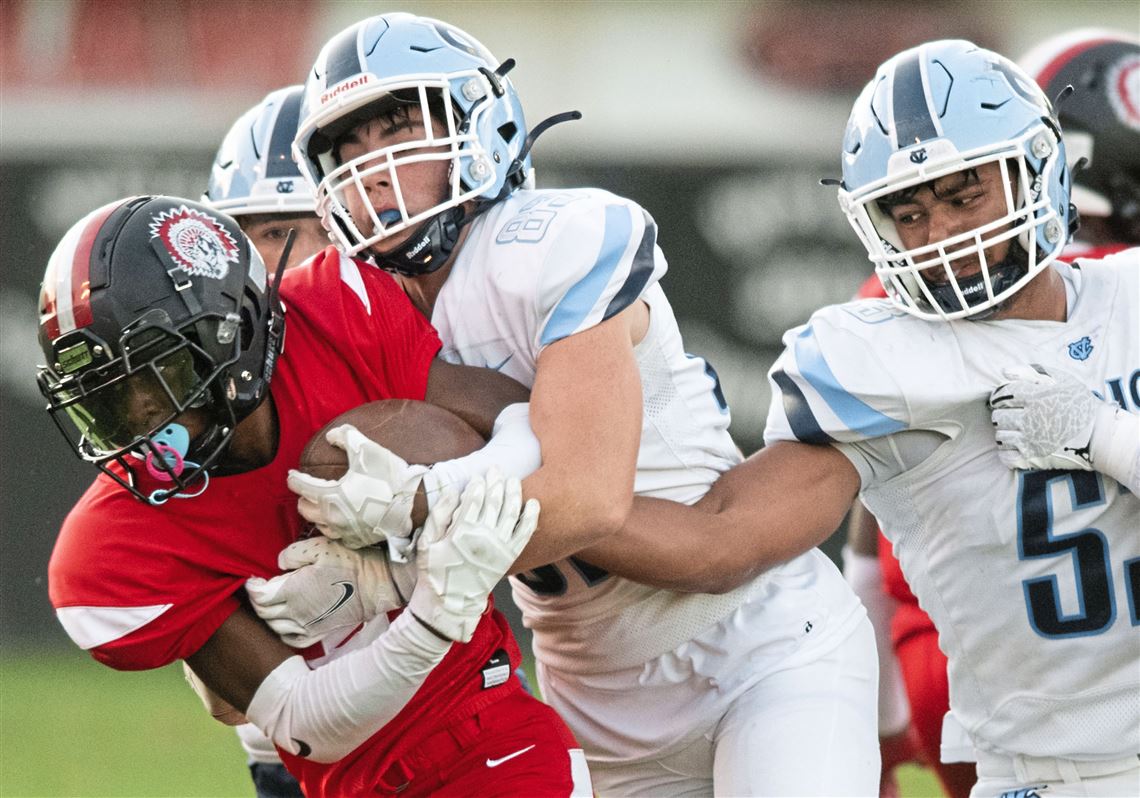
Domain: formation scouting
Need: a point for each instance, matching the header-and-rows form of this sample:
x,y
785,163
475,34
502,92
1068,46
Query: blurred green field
x,y
71,727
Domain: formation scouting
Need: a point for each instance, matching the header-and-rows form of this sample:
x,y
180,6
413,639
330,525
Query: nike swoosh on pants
x,y
494,763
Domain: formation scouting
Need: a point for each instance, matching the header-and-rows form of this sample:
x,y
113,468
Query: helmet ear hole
x,y
246,329
508,131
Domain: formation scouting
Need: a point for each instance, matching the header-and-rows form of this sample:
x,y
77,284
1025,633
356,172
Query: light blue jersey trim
x,y
859,416
576,305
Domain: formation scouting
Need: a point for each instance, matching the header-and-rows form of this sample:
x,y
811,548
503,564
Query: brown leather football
x,y
419,432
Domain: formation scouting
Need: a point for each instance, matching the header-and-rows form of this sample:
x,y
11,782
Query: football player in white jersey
x,y
415,139
1087,74
955,179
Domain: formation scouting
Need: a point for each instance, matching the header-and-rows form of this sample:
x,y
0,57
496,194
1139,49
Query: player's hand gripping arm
x,y
777,504
328,586
1047,418
381,498
326,713
374,501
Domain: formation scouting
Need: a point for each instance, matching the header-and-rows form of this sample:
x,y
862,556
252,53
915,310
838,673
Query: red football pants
x,y
517,746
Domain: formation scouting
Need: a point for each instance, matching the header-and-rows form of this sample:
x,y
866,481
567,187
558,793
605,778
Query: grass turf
x,y
72,727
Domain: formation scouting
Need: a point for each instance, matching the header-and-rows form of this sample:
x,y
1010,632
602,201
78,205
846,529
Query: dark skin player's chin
x,y
254,442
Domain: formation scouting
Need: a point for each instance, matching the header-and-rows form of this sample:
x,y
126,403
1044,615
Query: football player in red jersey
x,y
1100,118
167,370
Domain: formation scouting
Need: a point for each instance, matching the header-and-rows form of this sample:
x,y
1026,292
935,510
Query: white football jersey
x,y
536,268
1033,577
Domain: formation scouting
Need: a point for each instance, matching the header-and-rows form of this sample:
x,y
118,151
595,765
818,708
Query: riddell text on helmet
x,y
343,87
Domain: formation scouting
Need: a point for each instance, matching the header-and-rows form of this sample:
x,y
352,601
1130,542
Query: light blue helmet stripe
x,y
856,414
576,305
911,113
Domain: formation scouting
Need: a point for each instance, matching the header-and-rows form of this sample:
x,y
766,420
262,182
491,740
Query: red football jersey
x,y
140,586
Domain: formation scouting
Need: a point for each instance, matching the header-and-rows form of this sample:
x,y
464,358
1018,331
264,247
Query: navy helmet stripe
x,y
911,113
796,408
343,58
279,160
639,273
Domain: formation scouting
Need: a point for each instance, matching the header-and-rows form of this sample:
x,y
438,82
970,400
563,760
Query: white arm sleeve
x,y
326,713
865,576
1115,445
513,449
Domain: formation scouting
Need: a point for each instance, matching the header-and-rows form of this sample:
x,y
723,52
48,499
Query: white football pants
x,y
807,729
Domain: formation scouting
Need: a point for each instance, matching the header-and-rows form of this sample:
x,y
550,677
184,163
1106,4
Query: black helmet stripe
x,y
911,112
343,58
280,158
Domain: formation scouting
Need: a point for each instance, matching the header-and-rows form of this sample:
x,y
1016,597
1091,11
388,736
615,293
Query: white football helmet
x,y
254,171
474,121
945,107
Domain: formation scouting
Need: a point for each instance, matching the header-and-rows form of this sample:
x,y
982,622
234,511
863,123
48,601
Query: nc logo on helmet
x,y
284,186
918,156
196,241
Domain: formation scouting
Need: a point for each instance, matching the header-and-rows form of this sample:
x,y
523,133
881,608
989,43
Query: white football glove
x,y
1049,419
462,553
328,587
371,503
1044,419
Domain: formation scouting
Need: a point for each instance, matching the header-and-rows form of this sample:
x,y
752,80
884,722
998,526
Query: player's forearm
x,y
781,502
691,549
332,709
580,516
586,410
476,395
675,547
325,714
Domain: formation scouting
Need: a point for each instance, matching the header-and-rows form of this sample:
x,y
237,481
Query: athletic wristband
x,y
1114,449
512,448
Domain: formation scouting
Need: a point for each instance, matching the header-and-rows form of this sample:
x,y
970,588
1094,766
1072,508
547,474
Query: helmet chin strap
x,y
428,249
1012,268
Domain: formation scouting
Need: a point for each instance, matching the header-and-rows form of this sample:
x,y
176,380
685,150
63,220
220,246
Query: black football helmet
x,y
1100,119
161,333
